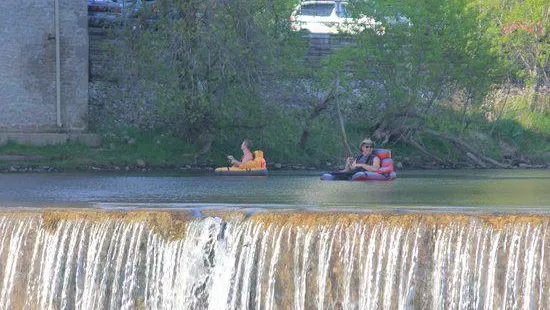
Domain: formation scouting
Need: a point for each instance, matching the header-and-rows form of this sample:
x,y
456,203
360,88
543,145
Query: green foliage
x,y
46,151
200,72
427,52
199,66
67,154
522,127
519,110
519,37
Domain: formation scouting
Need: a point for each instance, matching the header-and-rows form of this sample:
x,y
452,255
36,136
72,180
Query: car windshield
x,y
342,12
318,9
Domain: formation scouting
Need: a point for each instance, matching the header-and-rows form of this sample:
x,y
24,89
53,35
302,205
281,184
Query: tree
x,y
419,54
520,37
201,63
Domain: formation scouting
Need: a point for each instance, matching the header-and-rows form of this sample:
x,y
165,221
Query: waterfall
x,y
273,260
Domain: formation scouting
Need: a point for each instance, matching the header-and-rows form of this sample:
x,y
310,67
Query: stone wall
x,y
322,45
28,63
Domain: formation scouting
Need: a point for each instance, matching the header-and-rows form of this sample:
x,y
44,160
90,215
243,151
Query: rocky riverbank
x,y
204,168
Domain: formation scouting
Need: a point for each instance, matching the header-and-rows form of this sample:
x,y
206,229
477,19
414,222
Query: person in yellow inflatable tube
x,y
247,155
254,162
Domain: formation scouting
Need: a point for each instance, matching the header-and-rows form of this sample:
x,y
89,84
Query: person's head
x,y
244,145
366,146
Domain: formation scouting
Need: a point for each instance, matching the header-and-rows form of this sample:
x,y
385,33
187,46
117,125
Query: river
x,y
461,239
498,190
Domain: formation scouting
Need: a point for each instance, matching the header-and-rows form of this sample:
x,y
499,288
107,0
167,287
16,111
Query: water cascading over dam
x,y
94,259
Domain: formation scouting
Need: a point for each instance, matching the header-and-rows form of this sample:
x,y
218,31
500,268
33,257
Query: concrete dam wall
x,y
69,259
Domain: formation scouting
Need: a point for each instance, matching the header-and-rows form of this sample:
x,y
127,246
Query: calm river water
x,y
506,190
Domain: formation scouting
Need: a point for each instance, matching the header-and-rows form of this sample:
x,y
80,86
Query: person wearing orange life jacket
x,y
249,161
257,163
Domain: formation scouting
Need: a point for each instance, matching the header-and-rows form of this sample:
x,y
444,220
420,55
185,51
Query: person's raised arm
x,y
247,155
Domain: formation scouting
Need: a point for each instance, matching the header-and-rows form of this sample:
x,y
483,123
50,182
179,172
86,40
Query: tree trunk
x,y
317,109
425,152
343,130
341,120
465,146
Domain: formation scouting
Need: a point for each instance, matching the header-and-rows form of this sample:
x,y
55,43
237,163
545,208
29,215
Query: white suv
x,y
327,17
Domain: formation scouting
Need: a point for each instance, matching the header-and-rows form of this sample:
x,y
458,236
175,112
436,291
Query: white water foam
x,y
250,264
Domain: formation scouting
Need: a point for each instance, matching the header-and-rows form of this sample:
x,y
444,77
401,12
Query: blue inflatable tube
x,y
359,176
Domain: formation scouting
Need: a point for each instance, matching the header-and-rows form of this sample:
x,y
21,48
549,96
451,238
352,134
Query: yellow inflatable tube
x,y
257,166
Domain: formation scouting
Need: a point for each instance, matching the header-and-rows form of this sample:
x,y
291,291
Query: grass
x,y
517,126
76,156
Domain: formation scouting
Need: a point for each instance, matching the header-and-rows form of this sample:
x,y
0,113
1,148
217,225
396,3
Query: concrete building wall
x,y
28,66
